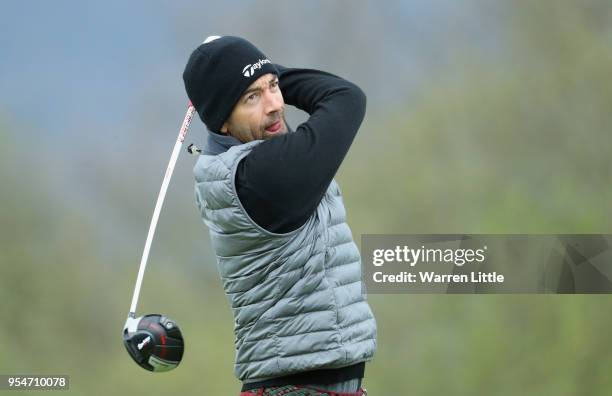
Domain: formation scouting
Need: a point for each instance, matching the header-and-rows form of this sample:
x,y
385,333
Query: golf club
x,y
154,341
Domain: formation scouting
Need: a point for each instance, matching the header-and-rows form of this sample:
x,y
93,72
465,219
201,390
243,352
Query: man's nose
x,y
274,102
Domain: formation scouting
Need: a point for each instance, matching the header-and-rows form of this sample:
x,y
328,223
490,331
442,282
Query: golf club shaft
x,y
159,204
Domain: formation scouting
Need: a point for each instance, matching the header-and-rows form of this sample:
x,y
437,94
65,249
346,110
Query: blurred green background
x,y
483,117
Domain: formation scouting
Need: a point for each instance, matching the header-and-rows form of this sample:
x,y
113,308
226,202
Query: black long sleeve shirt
x,y
281,182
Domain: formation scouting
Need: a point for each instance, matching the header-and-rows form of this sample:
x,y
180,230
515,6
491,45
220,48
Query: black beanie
x,y
217,74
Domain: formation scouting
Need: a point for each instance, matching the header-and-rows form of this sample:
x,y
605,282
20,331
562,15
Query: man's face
x,y
259,113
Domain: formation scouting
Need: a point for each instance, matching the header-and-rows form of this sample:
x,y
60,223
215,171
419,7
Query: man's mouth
x,y
273,128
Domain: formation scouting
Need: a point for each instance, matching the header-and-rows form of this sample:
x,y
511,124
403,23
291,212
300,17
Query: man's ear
x,y
224,129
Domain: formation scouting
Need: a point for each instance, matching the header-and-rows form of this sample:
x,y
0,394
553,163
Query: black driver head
x,y
154,342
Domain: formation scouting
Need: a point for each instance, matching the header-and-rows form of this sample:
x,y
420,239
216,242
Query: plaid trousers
x,y
298,390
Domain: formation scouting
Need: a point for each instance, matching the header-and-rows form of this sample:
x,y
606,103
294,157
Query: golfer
x,y
286,256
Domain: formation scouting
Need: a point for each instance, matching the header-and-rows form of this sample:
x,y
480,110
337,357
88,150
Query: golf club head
x,y
154,342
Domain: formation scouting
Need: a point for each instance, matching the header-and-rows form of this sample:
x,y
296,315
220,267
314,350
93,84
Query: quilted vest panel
x,y
296,298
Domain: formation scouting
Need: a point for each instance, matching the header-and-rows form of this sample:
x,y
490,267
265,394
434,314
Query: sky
x,y
67,63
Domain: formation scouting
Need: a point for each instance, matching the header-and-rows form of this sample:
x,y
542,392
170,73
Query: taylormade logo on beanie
x,y
249,70
218,72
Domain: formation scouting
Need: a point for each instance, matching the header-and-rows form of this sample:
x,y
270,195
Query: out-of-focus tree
x,y
515,143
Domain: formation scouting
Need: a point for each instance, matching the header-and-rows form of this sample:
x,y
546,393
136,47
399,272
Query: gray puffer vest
x,y
296,297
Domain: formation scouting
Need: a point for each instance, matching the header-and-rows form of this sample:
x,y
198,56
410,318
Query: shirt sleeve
x,y
281,182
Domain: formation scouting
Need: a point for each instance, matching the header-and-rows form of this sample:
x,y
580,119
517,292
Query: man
x,y
287,259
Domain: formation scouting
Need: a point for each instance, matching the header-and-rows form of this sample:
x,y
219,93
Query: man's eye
x,y
251,97
274,84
